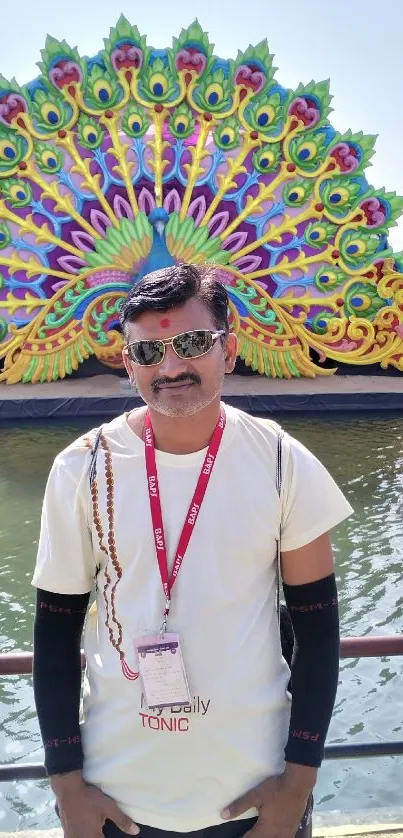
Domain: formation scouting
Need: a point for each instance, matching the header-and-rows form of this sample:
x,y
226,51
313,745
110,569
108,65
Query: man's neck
x,y
176,435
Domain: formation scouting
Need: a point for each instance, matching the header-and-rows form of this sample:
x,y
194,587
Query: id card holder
x,y
162,670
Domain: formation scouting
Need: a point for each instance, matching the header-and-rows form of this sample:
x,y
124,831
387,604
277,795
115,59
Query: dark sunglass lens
x,y
147,352
192,344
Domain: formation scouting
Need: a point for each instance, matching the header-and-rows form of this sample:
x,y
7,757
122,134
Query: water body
x,y
364,454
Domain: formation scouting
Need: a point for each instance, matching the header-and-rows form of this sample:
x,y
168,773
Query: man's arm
x,y
64,576
311,596
59,621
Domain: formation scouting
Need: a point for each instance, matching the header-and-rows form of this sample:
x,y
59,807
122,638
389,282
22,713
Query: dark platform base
x,y
71,407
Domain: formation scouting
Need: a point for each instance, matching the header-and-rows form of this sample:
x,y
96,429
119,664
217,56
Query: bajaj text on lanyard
x,y
193,512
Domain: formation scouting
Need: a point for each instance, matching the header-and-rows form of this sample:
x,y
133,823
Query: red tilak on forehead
x,y
165,322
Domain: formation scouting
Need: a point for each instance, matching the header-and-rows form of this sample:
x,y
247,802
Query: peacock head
x,y
158,219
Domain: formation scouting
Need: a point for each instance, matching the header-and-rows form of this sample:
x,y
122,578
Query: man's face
x,y
180,386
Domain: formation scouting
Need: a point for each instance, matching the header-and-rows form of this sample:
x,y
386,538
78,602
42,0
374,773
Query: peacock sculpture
x,y
117,165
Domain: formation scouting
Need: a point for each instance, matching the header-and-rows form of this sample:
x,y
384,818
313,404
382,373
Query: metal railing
x,y
20,663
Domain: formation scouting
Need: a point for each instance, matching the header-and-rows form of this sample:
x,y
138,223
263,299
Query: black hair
x,y
173,287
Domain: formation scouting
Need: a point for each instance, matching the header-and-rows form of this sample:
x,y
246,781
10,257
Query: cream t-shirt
x,y
176,769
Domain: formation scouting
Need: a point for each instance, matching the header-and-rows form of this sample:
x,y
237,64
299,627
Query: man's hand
x,y
83,809
280,801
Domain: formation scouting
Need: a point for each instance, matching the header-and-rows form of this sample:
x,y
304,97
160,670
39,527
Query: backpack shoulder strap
x,y
279,462
279,483
278,430
94,446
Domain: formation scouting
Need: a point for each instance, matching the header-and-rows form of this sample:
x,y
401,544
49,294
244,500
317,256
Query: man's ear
x,y
231,351
129,368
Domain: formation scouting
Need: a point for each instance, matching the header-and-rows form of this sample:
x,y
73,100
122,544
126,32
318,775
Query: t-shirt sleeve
x,y
65,561
312,503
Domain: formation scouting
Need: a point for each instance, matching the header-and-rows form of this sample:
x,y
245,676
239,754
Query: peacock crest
x,y
137,159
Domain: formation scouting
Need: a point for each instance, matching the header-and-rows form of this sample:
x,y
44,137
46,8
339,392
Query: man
x,y
171,512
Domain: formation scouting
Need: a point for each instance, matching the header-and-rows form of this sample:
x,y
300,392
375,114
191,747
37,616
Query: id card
x,y
162,670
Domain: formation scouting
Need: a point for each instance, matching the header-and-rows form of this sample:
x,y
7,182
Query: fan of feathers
x,y
138,159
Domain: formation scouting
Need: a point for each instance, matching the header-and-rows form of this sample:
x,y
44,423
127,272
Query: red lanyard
x,y
194,508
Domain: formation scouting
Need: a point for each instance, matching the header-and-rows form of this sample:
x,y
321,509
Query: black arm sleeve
x,y
314,668
58,627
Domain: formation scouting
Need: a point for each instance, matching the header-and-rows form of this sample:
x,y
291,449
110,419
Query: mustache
x,y
189,378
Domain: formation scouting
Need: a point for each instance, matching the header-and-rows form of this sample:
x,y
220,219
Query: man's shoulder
x,y
257,426
76,456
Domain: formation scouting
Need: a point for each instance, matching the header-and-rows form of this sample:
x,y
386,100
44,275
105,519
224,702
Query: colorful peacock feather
x,y
141,158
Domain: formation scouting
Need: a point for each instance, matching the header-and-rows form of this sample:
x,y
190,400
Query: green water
x,y
365,457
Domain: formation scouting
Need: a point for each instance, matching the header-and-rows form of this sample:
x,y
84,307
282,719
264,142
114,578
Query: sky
x,y
355,43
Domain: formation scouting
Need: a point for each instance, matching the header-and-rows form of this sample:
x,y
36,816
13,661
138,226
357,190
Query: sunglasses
x,y
194,344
